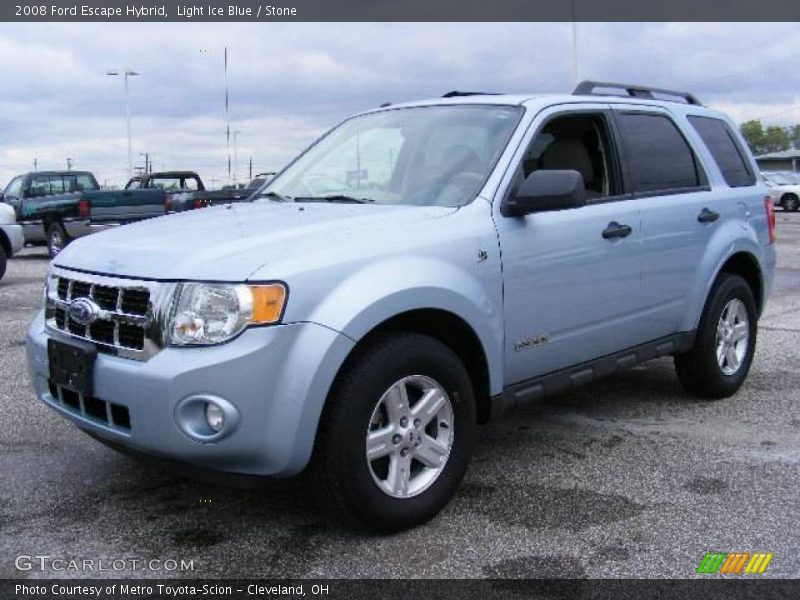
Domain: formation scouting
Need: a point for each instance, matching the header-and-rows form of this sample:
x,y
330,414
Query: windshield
x,y
426,156
779,179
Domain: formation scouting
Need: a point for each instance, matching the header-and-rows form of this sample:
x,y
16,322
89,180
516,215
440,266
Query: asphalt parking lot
x,y
628,477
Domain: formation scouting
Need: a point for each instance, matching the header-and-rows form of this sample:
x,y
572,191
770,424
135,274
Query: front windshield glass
x,y
791,178
778,179
425,156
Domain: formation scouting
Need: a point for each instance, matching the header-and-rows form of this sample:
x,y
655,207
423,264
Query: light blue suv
x,y
418,270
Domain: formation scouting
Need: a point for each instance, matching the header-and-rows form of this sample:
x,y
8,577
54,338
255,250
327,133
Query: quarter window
x,y
726,150
659,157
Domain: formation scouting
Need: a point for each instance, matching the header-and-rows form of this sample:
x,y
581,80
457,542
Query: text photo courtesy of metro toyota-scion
x,y
341,302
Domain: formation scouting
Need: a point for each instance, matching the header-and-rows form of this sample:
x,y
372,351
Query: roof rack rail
x,y
587,88
456,94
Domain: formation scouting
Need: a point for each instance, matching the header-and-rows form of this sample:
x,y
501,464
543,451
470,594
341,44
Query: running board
x,y
533,390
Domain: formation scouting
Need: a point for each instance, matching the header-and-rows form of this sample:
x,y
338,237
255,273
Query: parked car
x,y
11,238
784,188
481,252
55,207
185,190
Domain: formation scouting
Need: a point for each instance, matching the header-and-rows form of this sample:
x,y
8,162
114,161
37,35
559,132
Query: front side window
x,y
425,156
576,142
729,155
659,157
14,188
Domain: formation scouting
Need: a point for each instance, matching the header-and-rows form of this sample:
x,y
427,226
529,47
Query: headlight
x,y
212,313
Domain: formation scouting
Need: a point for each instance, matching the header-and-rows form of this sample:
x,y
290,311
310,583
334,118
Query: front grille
x,y
125,323
94,409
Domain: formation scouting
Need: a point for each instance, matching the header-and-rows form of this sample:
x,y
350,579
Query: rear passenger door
x,y
665,175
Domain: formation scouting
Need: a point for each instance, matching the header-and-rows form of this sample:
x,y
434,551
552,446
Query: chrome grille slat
x,y
118,330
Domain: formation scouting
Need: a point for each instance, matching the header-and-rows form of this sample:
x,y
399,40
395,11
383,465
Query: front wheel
x,y
57,239
725,342
3,261
396,435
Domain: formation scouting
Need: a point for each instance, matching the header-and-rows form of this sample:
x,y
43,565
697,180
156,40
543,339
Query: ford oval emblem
x,y
83,311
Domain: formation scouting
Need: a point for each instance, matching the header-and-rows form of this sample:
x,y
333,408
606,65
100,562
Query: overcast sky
x,y
290,82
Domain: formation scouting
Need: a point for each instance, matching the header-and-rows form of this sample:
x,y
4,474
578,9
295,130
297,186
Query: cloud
x,y
290,82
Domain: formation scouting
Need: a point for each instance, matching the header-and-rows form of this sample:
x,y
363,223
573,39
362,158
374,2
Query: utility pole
x,y
126,74
69,164
251,169
227,117
575,70
35,164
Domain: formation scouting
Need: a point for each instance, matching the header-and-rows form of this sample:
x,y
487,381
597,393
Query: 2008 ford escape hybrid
x,y
418,270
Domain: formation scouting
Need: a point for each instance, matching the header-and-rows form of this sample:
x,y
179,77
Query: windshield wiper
x,y
335,198
275,196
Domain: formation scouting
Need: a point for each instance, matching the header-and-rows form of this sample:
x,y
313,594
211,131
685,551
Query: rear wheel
x,y
396,436
720,359
790,202
57,239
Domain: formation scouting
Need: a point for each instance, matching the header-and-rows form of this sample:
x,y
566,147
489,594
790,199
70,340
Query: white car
x,y
784,188
11,240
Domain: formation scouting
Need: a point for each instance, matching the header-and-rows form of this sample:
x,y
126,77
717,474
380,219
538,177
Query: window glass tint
x,y
725,149
14,188
658,155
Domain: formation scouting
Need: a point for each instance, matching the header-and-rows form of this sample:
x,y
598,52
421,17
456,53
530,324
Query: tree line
x,y
773,138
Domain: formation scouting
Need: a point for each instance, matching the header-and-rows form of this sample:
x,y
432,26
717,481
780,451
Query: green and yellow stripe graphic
x,y
734,562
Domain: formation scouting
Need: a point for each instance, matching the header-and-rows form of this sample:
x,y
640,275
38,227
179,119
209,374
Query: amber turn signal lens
x,y
267,303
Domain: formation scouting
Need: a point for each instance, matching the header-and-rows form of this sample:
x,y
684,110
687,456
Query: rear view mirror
x,y
546,190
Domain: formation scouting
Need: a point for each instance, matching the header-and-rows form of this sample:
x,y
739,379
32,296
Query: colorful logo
x,y
734,563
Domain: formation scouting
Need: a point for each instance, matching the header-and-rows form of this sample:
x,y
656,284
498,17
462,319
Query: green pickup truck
x,y
54,207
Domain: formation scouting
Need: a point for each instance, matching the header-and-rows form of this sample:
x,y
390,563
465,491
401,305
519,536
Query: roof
x,y
783,154
70,172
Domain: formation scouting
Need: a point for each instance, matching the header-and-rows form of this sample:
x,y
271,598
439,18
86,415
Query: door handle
x,y
615,230
707,216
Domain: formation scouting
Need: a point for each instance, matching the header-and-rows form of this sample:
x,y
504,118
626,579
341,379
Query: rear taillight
x,y
83,208
166,203
769,207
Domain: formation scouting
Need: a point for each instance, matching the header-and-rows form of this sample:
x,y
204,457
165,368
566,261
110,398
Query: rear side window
x,y
659,157
726,150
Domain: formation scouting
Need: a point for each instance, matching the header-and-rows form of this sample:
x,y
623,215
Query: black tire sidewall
x,y
727,288
3,261
388,362
791,203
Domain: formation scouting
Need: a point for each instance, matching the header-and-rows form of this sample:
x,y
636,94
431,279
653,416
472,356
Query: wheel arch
x,y
455,333
746,265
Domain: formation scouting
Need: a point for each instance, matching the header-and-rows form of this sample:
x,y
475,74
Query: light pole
x,y
236,157
69,164
127,73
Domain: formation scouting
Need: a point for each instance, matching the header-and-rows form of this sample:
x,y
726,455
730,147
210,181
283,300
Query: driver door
x,y
571,291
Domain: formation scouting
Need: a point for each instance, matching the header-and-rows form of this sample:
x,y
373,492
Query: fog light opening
x,y
206,418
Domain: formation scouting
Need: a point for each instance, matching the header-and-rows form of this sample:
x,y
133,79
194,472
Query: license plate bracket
x,y
72,365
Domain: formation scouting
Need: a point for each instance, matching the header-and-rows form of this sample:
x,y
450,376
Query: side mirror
x,y
546,190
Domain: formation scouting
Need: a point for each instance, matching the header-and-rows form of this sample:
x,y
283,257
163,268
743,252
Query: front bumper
x,y
277,377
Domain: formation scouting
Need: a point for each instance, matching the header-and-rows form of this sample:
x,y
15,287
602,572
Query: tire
x,y
362,492
790,203
57,239
3,261
700,371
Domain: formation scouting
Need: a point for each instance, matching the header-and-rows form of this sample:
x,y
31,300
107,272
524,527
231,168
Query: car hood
x,y
230,243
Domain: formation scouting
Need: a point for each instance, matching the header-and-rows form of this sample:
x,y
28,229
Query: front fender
x,y
382,290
